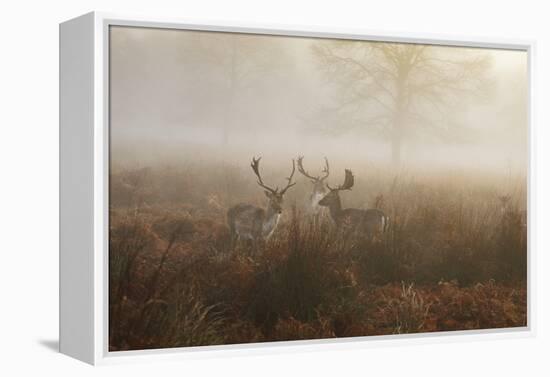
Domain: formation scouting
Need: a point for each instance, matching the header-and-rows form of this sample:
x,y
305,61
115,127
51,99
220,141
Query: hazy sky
x,y
172,90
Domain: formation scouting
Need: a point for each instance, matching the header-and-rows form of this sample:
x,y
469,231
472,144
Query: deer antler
x,y
301,169
325,171
255,165
349,180
289,179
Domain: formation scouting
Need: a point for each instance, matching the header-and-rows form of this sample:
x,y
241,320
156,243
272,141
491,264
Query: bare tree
x,y
398,89
239,65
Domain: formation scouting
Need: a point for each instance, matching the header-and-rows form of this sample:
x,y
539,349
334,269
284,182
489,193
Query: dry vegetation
x,y
452,259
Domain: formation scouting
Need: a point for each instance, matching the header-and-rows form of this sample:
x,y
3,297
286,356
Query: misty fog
x,y
426,231
176,95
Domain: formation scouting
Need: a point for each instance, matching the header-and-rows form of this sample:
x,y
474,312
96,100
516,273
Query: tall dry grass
x,y
452,259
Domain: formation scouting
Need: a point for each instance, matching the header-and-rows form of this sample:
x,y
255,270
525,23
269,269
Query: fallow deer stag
x,y
254,223
319,189
370,222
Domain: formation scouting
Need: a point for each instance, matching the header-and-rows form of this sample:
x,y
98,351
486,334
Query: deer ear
x,y
268,194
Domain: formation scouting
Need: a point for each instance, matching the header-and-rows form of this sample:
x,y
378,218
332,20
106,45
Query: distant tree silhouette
x,y
398,89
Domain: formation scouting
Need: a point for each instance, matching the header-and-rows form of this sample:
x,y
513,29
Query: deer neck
x,y
315,197
335,209
270,221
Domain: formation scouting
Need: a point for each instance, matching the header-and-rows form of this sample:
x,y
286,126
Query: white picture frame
x,y
84,140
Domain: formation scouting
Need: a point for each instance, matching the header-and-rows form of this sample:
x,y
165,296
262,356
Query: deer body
x,y
371,222
250,222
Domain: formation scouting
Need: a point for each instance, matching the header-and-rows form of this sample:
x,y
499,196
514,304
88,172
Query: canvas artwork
x,y
273,188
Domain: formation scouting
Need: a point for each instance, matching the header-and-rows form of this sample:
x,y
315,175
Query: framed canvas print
x,y
233,188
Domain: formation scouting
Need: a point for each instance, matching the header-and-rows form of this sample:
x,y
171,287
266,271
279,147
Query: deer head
x,y
333,196
274,196
317,181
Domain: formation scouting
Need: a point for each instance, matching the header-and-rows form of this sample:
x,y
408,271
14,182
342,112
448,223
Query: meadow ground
x,y
454,258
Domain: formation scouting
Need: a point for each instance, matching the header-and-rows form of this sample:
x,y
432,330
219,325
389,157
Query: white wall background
x,y
29,184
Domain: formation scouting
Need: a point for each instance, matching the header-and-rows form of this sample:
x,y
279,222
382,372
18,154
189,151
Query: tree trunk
x,y
399,117
397,138
396,150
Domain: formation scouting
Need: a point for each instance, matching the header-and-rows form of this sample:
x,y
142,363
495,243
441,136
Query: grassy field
x,y
454,258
